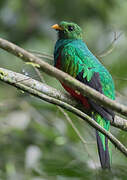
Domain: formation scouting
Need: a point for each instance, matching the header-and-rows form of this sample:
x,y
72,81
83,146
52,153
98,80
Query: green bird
x,y
72,56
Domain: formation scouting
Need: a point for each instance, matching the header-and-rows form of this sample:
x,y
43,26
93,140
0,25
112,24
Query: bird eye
x,y
70,28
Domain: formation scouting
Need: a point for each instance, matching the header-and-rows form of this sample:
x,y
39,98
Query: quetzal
x,y
72,56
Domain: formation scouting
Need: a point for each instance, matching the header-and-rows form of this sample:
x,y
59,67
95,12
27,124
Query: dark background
x,y
36,141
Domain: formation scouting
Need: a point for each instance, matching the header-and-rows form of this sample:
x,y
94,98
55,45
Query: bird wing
x,y
83,68
72,63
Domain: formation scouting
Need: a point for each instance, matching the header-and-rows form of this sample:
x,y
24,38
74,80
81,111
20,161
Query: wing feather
x,y
83,69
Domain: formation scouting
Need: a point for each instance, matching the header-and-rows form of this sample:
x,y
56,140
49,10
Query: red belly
x,y
78,96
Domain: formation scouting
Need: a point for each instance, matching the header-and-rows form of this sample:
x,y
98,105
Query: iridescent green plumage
x,y
72,56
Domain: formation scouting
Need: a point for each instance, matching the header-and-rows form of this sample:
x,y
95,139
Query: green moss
x,y
3,73
33,64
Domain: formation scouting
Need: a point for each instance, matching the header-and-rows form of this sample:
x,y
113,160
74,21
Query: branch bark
x,y
22,83
43,91
16,79
63,77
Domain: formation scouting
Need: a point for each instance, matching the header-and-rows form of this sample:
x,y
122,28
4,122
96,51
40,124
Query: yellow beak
x,y
56,26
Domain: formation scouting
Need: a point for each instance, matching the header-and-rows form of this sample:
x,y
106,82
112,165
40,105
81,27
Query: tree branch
x,y
42,91
111,46
63,77
16,79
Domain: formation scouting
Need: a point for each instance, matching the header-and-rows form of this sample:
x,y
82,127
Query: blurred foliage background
x,y
36,140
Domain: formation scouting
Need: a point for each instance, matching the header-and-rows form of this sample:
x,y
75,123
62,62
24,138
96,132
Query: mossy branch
x,y
17,79
54,96
63,77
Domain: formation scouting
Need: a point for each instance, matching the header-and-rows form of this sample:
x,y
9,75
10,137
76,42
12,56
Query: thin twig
x,y
73,126
111,46
77,132
121,79
39,74
42,55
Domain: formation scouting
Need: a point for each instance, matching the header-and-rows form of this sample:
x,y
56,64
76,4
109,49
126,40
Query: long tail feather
x,y
103,152
103,142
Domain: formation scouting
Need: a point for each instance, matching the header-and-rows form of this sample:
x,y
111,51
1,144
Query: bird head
x,y
68,30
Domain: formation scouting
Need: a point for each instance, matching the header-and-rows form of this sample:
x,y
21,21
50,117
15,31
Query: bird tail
x,y
103,143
